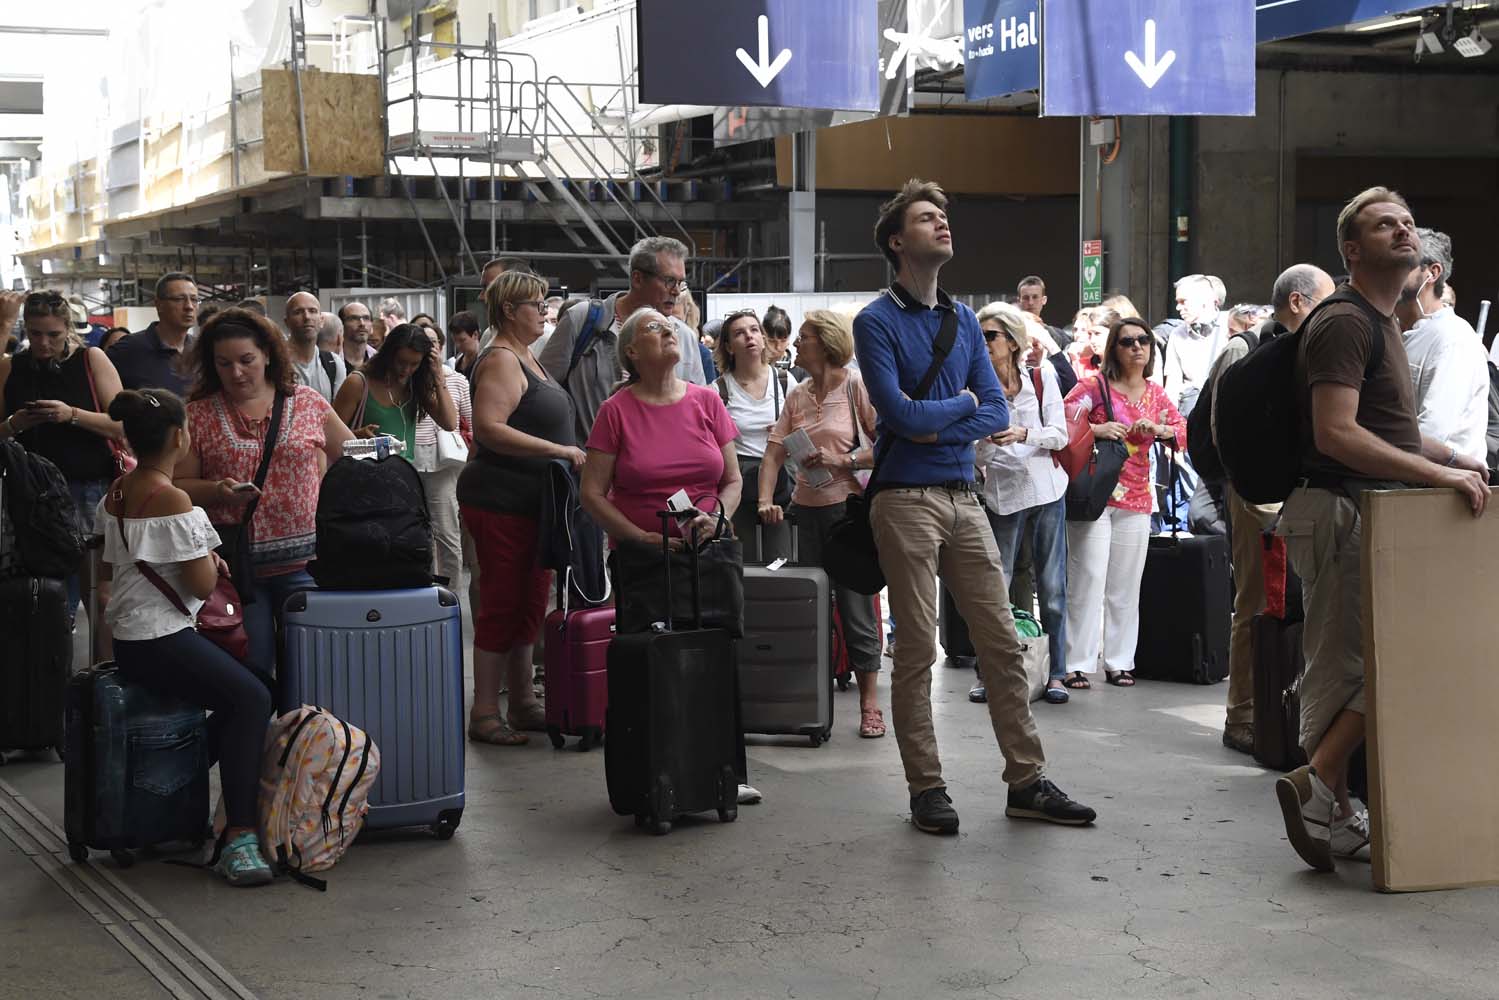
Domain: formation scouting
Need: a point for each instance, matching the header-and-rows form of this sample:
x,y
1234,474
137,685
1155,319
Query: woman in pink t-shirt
x,y
655,436
1106,557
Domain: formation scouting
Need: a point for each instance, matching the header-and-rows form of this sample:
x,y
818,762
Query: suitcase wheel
x,y
78,852
662,805
554,733
816,739
843,683
728,795
962,662
447,824
661,827
122,858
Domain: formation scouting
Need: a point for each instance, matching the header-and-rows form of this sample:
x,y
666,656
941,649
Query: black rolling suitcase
x,y
952,632
137,767
674,745
1186,608
34,668
785,673
1278,663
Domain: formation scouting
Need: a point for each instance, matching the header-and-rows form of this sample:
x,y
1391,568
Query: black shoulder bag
x,y
848,554
1090,490
236,540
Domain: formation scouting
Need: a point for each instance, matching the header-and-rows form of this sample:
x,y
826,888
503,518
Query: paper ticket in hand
x,y
800,447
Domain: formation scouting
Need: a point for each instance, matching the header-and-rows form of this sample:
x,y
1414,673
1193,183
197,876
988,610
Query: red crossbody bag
x,y
221,618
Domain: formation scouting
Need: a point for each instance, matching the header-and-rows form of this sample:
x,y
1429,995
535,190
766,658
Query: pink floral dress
x,y
1133,493
229,447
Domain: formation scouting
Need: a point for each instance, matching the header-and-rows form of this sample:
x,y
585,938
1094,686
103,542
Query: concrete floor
x,y
1186,887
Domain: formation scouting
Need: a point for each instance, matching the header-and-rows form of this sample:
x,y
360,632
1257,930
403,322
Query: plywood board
x,y
1430,632
343,113
979,154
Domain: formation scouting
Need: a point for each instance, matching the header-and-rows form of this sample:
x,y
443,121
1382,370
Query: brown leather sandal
x,y
495,731
532,718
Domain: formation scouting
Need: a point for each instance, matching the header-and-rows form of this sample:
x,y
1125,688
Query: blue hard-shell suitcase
x,y
391,663
136,767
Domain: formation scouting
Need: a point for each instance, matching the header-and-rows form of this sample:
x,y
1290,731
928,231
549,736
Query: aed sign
x,y
1001,47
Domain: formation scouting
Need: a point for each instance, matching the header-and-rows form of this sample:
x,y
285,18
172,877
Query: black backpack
x,y
1259,409
41,517
1200,447
373,529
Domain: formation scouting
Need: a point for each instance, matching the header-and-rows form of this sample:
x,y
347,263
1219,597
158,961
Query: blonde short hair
x,y
836,332
1012,320
513,287
1348,217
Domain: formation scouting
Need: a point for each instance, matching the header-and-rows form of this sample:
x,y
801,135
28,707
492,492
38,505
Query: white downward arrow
x,y
764,70
1150,70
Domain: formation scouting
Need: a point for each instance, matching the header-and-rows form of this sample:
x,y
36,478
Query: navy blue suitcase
x,y
391,663
136,769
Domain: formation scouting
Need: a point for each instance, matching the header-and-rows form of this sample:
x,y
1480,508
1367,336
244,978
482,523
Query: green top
x,y
397,421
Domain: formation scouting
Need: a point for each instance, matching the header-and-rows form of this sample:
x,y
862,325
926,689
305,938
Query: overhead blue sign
x,y
1147,57
1001,47
1287,18
766,53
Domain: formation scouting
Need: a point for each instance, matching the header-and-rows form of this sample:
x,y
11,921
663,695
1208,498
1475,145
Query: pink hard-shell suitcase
x,y
577,680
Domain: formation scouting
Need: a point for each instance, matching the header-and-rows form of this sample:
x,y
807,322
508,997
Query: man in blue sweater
x,y
927,518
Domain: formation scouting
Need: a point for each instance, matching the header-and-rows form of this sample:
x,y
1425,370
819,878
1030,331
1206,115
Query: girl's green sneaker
x,y
241,863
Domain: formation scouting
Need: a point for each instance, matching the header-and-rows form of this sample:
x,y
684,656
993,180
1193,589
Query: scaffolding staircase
x,y
540,135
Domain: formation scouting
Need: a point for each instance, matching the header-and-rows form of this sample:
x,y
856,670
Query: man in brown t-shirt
x,y
1359,434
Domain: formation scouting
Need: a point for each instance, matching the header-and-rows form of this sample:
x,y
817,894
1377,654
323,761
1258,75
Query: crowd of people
x,y
231,422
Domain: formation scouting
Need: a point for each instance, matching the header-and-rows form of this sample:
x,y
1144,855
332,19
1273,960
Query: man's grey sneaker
x,y
932,812
1043,800
1307,804
241,863
749,795
1239,737
1350,836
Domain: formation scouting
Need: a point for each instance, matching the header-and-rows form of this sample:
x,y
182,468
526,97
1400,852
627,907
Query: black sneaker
x,y
1044,800
932,812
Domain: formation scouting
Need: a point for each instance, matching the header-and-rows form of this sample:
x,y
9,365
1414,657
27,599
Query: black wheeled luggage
x,y
1278,663
785,677
37,659
137,767
952,632
674,745
1186,608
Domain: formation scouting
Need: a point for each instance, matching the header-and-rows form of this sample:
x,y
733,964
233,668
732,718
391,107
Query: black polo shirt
x,y
144,362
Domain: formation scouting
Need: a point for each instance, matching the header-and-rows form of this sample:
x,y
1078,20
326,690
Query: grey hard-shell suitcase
x,y
391,663
785,657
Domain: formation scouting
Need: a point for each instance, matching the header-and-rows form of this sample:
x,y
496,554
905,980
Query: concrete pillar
x,y
802,206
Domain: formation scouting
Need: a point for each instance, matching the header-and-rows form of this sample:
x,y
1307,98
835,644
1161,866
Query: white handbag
x,y
452,450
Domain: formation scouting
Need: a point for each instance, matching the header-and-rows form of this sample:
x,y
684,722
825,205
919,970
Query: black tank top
x,y
512,484
78,453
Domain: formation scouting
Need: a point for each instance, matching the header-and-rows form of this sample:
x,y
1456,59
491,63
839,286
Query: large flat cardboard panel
x,y
966,154
1430,631
343,114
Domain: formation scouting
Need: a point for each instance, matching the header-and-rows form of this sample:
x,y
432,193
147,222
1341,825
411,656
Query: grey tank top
x,y
512,484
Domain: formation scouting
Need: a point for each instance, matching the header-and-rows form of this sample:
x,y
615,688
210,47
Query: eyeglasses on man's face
x,y
672,284
181,300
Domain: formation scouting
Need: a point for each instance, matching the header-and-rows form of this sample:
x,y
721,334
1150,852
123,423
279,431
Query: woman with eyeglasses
x,y
402,383
523,420
1106,557
832,407
57,396
1024,489
656,435
754,393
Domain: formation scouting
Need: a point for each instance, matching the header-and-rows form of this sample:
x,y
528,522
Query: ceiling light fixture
x,y
1398,22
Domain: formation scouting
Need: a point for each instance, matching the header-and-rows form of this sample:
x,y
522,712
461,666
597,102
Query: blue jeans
x,y
1047,526
86,495
263,617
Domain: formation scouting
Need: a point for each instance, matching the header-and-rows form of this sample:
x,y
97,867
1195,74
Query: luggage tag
x,y
773,566
1120,492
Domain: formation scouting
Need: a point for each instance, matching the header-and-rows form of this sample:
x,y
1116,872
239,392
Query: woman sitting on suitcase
x,y
522,421
1106,557
824,406
147,519
241,369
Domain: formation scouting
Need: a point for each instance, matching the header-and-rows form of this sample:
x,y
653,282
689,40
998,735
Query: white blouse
x,y
137,610
1021,476
755,417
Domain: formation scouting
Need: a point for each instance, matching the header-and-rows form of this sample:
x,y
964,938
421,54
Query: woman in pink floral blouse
x,y
1106,557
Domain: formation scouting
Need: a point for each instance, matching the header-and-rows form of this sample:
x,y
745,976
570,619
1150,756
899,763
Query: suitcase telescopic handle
x,y
697,599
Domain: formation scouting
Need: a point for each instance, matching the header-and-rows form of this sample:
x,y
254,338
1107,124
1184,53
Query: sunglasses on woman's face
x,y
1140,341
